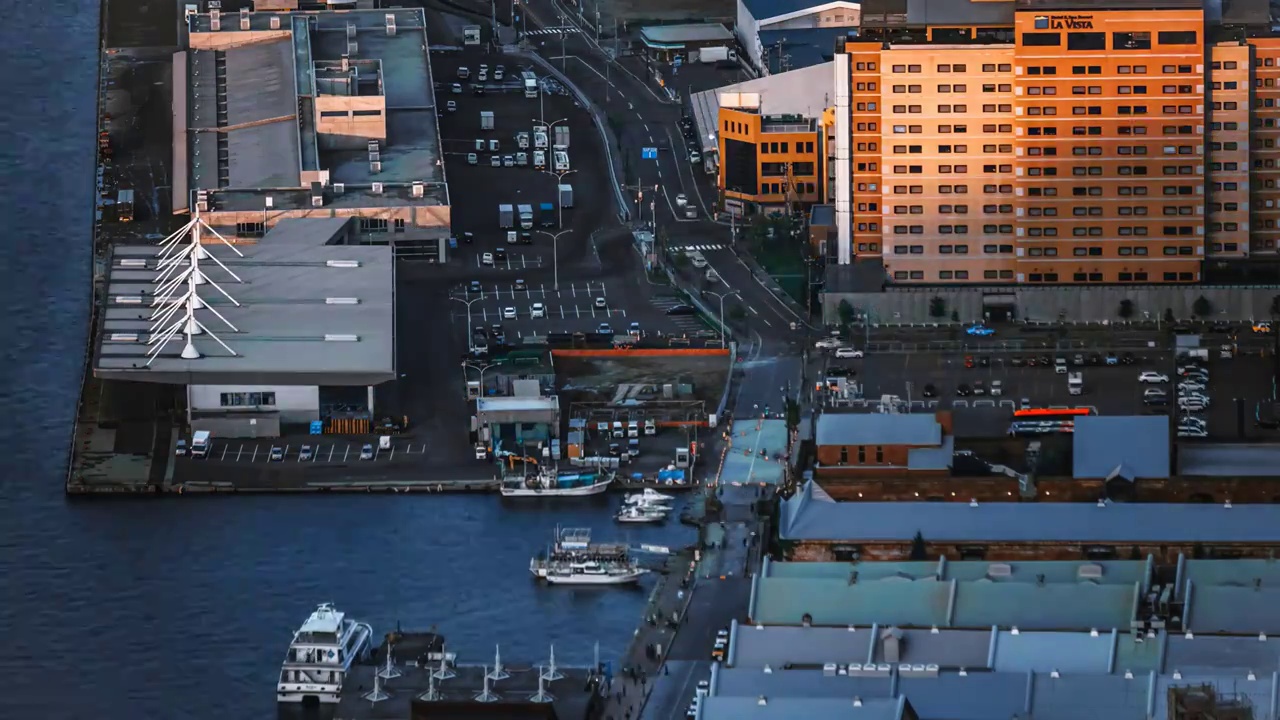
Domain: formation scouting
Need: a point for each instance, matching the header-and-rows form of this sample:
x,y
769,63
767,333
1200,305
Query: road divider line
x,y
753,310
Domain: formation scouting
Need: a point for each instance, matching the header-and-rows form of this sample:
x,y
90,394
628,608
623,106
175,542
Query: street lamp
x,y
555,256
547,126
559,181
468,304
478,368
722,296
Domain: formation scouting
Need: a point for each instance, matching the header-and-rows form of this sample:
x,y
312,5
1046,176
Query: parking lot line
x,y
224,452
345,453
393,453
255,454
238,451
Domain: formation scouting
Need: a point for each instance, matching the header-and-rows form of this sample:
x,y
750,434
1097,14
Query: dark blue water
x,y
183,608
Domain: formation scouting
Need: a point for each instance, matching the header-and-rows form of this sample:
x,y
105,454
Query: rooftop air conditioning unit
x,y
275,22
339,188
999,570
353,48
270,202
215,23
317,195
418,189
391,24
375,156
1090,571
377,187
244,19
373,146
829,670
351,31
375,167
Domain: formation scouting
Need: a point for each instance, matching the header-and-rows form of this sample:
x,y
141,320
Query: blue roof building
x,y
1124,448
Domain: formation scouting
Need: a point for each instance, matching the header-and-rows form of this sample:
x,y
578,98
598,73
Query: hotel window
x,y
879,454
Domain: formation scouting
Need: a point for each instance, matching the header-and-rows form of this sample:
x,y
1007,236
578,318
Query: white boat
x,y
642,514
648,497
550,483
574,560
320,656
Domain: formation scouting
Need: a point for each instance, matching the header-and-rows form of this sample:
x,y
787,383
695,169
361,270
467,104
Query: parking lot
x,y
478,190
322,451
1111,390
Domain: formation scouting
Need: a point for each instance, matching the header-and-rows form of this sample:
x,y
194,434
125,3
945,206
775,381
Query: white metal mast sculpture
x,y
178,279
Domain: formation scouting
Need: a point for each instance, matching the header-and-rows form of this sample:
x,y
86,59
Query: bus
x,y
1044,421
1061,413
124,206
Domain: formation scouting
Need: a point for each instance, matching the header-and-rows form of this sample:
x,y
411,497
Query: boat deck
x,y
571,695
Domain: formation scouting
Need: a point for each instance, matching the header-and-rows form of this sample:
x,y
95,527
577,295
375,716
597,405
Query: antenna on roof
x,y
486,695
551,674
542,696
389,670
176,290
443,672
498,673
432,694
377,694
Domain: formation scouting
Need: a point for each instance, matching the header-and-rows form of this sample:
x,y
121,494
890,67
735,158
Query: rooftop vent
x,y
375,167
244,19
353,48
999,570
133,263
342,263
829,670
351,31
377,187
275,22
391,24
342,301
317,195
341,338
123,337
373,146
418,189
1091,571
339,188
128,300
761,700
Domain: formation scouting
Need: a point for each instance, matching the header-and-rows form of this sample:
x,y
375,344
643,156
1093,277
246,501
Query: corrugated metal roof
x,y
1090,697
977,696
938,458
1108,572
790,708
755,647
688,32
1233,610
1238,573
1234,460
1203,653
806,516
1068,652
959,12
921,603
1044,607
878,429
765,9
1140,443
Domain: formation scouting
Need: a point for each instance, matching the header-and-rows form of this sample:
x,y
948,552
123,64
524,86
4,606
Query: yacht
x,y
648,497
642,514
320,656
574,560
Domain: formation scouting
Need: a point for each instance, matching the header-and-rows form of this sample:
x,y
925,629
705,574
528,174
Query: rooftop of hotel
x,y
805,92
299,307
812,515
246,115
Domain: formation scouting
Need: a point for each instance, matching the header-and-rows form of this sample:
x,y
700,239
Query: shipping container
x,y
566,196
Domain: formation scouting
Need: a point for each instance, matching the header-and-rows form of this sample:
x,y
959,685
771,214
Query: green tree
x,y
1202,307
937,307
846,312
1126,309
918,549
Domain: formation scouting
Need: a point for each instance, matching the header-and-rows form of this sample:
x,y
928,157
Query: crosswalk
x,y
561,30
703,248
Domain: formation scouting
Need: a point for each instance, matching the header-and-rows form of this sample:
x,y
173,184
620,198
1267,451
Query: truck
x,y
566,195
486,120
471,35
717,54
200,443
1075,383
546,215
526,216
530,84
124,206
562,136
479,341
560,159
540,139
506,216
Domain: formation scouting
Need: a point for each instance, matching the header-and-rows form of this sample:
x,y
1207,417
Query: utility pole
x,y
721,297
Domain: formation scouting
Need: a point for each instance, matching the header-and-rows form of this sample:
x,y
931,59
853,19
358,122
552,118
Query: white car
x,y
827,344
1190,386
695,157
1153,377
1187,432
508,313
366,452
848,352
681,200
486,259
600,303
1153,393
1192,421
538,311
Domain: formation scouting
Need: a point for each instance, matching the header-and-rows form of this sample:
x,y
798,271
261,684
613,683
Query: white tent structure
x,y
177,284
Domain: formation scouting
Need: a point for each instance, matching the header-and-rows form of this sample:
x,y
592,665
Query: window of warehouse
x,y
1086,41
1177,37
1041,39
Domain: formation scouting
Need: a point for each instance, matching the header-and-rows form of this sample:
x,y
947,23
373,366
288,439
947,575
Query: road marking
x,y
393,453
753,310
224,452
315,454
255,454
286,454
646,129
345,452
331,449
238,451
650,137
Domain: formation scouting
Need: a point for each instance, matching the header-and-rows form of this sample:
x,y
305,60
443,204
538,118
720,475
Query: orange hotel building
x,y
1118,141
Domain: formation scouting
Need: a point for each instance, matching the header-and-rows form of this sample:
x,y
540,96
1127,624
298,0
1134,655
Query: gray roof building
x,y
878,429
805,92
300,308
1229,460
763,708
1129,448
813,516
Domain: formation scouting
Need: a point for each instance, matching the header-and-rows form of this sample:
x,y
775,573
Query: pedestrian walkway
x,y
702,248
560,30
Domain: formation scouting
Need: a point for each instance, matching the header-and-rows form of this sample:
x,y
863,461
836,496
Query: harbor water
x,y
183,607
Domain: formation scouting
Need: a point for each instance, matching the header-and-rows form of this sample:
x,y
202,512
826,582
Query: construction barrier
x,y
347,426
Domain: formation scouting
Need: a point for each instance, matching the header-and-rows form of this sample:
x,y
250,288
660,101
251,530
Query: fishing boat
x,y
650,514
321,655
574,560
548,482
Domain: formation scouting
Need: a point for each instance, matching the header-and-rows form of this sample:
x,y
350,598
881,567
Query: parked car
x,y
848,352
681,200
508,313
276,454
823,344
538,310
605,329
486,259
475,287
304,454
1149,376
679,310
1016,361
1190,386
366,451
1154,392
1262,328
1111,359
968,361
963,390
1192,432
1127,358
930,391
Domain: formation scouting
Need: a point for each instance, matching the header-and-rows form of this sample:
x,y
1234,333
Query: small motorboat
x,y
642,514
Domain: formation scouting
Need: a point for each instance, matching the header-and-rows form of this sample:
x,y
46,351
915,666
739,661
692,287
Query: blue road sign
x,y
678,61
649,153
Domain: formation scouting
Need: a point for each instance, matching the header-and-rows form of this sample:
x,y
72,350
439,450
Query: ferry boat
x,y
550,483
642,514
321,655
574,560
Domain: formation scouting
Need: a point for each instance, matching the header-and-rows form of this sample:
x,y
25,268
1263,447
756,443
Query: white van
x,y
561,158
699,261
540,159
